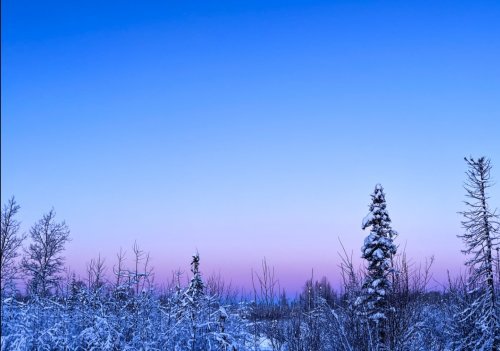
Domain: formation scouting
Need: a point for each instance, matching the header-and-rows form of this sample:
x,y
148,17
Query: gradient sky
x,y
248,130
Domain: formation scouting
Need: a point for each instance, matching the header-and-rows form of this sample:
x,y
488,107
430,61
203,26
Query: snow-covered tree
x,y
378,250
10,243
196,287
43,260
480,237
193,308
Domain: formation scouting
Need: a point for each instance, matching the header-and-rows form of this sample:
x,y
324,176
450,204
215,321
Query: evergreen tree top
x,y
378,217
196,285
195,263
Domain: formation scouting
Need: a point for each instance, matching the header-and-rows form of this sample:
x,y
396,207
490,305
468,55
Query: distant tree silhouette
x,y
43,260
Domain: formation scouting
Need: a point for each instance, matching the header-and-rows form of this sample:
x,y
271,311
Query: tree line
x,y
384,305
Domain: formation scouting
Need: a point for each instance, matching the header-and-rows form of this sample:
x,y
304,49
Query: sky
x,y
249,129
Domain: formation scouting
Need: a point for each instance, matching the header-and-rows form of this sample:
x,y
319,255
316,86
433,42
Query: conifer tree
x,y
196,286
193,305
378,250
480,238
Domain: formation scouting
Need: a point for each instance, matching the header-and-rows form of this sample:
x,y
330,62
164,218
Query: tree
x,y
192,310
378,250
196,286
480,237
10,242
43,260
96,271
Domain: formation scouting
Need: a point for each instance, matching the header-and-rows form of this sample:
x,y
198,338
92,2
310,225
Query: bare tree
x,y
481,235
360,335
217,287
119,269
10,242
498,267
266,307
268,284
43,259
96,270
141,279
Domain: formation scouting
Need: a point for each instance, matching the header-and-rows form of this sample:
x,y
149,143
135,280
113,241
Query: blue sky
x,y
249,129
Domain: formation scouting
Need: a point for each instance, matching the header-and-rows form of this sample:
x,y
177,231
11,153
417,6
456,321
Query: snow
x,y
367,220
265,344
188,317
378,316
378,253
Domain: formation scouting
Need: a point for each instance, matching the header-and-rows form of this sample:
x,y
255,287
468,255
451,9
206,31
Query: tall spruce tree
x,y
378,250
480,238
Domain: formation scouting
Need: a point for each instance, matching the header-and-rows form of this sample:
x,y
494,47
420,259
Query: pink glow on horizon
x,y
291,271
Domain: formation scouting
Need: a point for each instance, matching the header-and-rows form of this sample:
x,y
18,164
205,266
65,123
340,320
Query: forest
x,y
386,305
